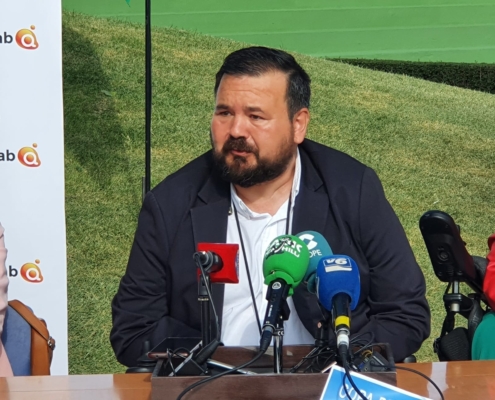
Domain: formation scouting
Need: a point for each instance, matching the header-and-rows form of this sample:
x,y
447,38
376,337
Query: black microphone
x,y
211,262
221,261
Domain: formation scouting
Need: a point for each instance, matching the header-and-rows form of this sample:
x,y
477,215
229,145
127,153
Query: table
x,y
458,380
77,387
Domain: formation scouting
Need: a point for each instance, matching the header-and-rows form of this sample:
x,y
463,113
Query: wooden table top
x,y
457,380
77,387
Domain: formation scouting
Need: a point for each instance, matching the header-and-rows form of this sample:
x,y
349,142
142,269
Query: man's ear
x,y
300,123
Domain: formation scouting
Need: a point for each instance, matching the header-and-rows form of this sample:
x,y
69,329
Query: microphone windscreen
x,y
337,274
286,258
318,248
229,253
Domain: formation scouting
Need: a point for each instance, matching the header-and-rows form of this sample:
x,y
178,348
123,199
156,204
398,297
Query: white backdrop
x,y
32,204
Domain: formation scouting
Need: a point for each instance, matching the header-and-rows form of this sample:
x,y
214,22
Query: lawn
x,y
431,144
413,30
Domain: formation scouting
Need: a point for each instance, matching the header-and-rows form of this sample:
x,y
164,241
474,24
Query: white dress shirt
x,y
239,326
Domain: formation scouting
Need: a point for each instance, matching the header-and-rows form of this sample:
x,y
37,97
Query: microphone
x,y
211,262
284,265
220,260
318,248
338,290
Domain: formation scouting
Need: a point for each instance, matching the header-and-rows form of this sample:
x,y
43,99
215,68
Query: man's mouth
x,y
240,152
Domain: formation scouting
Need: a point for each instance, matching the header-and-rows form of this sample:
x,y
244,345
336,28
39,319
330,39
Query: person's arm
x,y
140,310
399,313
4,279
5,367
489,280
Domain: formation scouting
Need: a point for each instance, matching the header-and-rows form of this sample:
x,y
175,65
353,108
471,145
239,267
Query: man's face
x,y
252,136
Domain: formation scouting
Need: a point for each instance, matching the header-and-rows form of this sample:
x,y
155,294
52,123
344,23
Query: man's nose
x,y
238,127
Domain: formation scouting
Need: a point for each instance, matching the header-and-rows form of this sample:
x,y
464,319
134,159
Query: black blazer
x,y
339,197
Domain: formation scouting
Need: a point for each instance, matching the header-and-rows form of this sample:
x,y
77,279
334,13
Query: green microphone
x,y
284,266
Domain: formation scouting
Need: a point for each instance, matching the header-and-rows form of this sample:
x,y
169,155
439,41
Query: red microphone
x,y
225,261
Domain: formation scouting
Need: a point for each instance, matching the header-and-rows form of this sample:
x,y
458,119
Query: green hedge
x,y
479,77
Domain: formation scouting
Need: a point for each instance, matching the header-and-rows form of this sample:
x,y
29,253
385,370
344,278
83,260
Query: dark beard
x,y
239,174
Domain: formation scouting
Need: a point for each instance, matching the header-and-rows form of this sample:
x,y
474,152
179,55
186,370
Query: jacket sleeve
x,y
489,281
399,313
140,310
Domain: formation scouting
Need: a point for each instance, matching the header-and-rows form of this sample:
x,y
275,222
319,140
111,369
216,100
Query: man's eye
x,y
256,117
224,113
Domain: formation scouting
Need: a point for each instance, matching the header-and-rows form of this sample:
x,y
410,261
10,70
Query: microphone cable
x,y
406,369
319,359
343,352
369,347
423,376
203,381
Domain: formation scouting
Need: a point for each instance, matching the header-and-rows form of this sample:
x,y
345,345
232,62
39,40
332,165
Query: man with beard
x,y
263,179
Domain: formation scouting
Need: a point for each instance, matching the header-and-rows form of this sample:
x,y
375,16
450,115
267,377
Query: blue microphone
x,y
338,289
318,248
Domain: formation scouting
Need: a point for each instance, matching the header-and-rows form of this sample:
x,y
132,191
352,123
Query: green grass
x,y
431,144
426,30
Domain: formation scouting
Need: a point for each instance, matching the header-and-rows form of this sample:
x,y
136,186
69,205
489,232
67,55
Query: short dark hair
x,y
255,61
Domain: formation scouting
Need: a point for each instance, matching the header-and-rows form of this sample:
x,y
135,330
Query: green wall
x,y
414,30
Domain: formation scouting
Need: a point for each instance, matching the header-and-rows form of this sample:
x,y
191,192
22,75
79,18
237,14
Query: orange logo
x,y
31,272
26,38
28,156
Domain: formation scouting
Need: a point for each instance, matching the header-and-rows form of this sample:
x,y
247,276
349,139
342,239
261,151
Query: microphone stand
x,y
202,358
198,362
278,351
204,300
278,343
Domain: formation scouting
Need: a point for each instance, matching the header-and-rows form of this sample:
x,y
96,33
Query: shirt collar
x,y
247,213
